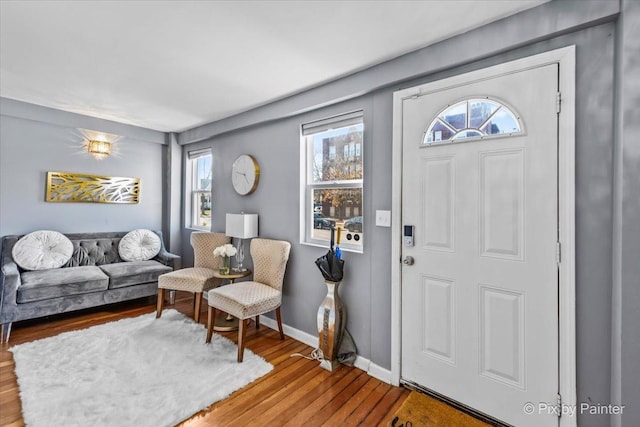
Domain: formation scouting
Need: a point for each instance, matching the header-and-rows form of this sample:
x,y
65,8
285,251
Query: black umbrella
x,y
330,265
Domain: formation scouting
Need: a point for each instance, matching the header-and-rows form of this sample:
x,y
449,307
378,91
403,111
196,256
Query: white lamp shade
x,y
242,226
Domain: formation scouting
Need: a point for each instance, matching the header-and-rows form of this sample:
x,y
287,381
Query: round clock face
x,y
245,173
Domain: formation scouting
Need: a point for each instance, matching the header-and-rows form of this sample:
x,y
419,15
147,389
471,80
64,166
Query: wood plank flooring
x,y
296,393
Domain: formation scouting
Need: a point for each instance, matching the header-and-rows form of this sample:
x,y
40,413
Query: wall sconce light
x,y
100,148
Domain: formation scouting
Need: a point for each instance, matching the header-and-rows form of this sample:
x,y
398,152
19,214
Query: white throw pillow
x,y
42,250
139,245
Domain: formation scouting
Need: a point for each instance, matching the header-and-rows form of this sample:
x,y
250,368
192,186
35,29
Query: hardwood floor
x,y
297,392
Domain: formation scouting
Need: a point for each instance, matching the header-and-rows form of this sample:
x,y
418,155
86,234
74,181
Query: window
x,y
472,118
199,170
332,180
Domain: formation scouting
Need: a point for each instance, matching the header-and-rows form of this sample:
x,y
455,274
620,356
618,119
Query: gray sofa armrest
x,y
167,258
9,284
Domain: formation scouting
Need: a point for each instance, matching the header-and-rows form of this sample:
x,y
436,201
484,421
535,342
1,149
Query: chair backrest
x,y
203,244
269,261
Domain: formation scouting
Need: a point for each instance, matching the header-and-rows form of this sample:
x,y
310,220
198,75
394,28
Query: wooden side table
x,y
223,321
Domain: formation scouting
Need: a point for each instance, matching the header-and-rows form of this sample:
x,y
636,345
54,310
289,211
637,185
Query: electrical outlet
x,y
383,218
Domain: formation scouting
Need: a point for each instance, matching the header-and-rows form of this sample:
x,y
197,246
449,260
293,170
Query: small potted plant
x,y
226,252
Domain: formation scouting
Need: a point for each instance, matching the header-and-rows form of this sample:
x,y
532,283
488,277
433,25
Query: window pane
x,y
502,122
467,134
339,207
479,111
201,208
336,155
203,173
456,116
438,132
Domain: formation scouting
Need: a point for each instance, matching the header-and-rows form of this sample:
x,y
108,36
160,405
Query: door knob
x,y
408,260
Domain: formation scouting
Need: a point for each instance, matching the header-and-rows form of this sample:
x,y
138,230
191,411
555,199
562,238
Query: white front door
x,y
480,303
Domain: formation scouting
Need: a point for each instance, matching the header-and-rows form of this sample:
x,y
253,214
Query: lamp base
x,y
239,257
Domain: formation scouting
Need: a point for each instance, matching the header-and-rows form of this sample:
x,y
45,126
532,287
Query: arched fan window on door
x,y
475,118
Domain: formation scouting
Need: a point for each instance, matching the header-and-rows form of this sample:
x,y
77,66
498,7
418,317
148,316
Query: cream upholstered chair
x,y
199,278
245,300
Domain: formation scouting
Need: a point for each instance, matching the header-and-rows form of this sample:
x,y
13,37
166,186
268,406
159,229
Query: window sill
x,y
191,228
326,246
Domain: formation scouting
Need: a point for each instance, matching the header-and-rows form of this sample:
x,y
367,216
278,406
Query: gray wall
x,y
271,133
35,139
626,259
172,219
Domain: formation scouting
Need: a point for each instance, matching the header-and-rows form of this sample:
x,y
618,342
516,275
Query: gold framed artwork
x,y
79,187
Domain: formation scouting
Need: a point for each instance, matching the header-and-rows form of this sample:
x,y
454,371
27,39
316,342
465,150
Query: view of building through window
x,y
472,118
201,190
334,184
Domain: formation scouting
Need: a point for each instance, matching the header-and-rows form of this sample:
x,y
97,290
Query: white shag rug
x,y
140,371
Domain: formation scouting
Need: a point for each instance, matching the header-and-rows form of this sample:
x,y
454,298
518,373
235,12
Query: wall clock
x,y
245,174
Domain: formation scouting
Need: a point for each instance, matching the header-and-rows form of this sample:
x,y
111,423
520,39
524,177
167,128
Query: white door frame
x,y
565,57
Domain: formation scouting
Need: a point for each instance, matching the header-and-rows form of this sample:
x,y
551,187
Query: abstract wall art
x,y
77,187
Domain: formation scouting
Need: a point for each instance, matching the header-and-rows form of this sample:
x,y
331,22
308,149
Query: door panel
x,y
480,304
438,320
502,335
439,190
502,204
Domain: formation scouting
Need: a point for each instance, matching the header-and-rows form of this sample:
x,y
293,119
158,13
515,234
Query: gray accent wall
x,y
35,140
172,171
271,134
626,255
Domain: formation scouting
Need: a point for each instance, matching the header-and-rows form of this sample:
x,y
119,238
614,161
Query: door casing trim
x,y
565,58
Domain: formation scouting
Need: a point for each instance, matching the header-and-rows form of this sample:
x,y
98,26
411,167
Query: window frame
x,y
307,186
454,139
194,193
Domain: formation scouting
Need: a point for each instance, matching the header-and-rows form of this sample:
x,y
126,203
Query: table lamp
x,y
241,226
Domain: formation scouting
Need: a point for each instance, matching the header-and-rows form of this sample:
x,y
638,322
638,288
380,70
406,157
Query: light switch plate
x,y
383,218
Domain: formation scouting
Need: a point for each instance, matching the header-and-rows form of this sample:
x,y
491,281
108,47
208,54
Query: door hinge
x,y
558,253
558,101
559,406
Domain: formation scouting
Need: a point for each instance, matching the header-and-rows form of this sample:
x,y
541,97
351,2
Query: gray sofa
x,y
95,275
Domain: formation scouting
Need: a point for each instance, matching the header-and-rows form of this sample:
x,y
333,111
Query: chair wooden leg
x,y
160,303
257,322
242,333
198,305
211,315
279,317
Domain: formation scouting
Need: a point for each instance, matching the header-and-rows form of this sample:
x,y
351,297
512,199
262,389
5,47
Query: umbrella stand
x,y
332,314
332,318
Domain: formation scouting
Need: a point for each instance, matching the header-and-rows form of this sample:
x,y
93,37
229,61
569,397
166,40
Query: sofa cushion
x,y
42,250
46,284
139,245
123,274
94,251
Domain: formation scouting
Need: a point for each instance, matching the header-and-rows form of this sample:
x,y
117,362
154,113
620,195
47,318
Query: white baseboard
x,y
296,334
383,374
361,363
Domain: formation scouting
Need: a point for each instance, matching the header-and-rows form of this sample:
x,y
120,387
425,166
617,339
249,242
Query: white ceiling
x,y
174,65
